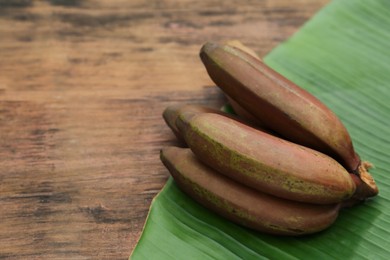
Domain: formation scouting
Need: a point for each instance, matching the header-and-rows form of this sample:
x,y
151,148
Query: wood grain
x,y
82,88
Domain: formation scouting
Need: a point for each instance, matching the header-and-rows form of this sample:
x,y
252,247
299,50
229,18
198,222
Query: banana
x,y
241,204
265,162
281,105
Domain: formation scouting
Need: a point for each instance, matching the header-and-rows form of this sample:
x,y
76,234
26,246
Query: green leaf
x,y
342,56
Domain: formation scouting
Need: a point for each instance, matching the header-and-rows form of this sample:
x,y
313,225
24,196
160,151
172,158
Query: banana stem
x,y
365,185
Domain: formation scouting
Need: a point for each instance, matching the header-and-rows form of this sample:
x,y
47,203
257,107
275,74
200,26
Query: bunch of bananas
x,y
283,164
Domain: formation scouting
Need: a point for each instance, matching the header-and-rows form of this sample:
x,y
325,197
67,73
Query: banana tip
x,y
206,49
168,152
183,121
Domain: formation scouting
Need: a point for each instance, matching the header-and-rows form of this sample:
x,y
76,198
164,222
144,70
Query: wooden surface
x,y
82,88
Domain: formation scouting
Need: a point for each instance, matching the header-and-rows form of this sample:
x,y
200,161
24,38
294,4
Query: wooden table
x,y
82,88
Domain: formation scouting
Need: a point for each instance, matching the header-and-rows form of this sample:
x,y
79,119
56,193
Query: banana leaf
x,y
342,56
